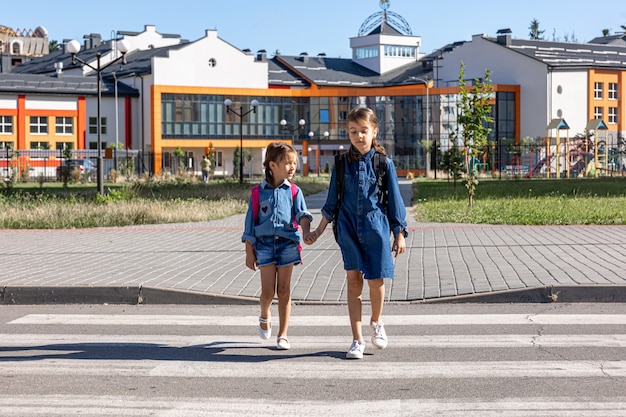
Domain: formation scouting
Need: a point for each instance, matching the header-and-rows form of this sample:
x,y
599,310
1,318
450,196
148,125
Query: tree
x,y
474,117
535,33
606,32
53,45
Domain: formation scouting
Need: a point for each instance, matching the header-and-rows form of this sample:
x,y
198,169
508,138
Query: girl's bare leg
x,y
355,304
377,297
268,289
283,288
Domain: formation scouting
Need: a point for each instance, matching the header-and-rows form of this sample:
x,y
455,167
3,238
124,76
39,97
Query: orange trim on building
x,y
21,121
81,123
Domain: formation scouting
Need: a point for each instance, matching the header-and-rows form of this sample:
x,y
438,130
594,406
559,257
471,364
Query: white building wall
x,y
149,39
569,99
190,66
507,67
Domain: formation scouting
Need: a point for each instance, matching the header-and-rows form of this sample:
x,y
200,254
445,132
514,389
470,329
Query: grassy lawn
x,y
524,202
51,206
517,202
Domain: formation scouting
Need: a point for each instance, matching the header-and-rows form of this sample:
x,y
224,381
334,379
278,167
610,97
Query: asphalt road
x,y
443,359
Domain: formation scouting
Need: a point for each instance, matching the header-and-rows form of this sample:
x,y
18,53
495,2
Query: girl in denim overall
x,y
364,225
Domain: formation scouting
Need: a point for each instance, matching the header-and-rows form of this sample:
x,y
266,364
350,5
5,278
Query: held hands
x,y
311,237
399,245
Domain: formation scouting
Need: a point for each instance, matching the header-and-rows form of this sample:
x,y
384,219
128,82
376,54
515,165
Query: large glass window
x,y
597,113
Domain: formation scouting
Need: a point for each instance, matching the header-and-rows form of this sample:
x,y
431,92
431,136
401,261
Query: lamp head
x,y
326,134
254,103
283,122
228,102
301,122
73,47
311,134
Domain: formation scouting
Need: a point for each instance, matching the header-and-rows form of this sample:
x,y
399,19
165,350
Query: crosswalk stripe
x,y
304,342
66,405
214,368
404,320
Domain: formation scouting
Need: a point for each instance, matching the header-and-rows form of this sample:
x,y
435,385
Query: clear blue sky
x,y
295,26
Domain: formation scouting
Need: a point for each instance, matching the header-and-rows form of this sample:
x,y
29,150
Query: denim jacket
x,y
360,195
277,209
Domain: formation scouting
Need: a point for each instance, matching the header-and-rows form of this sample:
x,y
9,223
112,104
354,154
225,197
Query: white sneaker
x,y
379,337
356,350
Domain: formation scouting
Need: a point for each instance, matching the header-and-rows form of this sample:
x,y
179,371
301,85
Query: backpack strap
x,y
340,171
294,193
380,167
256,190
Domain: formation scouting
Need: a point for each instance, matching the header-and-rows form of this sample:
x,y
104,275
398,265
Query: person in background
x,y
206,168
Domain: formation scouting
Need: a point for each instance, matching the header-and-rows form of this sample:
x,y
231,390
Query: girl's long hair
x,y
275,152
364,114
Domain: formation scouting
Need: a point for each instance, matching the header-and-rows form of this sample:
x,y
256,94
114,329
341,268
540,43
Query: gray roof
x,y
63,85
302,71
569,55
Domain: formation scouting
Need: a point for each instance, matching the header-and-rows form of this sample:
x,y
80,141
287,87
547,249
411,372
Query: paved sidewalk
x,y
204,263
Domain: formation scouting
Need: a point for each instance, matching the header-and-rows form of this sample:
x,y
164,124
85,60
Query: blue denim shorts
x,y
277,250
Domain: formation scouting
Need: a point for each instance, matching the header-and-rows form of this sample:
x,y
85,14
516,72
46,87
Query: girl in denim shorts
x,y
272,237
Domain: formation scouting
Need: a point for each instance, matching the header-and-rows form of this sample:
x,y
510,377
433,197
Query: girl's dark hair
x,y
276,152
364,114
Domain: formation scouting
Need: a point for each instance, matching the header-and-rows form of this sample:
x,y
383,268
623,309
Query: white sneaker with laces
x,y
356,350
379,337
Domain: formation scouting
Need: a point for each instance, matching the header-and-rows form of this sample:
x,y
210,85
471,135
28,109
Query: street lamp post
x,y
294,130
228,103
319,149
73,47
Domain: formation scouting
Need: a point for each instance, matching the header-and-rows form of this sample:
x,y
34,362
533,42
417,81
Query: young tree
x,y
535,33
474,117
606,32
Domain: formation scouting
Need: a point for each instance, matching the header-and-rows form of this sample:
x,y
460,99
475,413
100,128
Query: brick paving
x,y
442,261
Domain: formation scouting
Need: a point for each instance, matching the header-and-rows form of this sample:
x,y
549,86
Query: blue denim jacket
x,y
363,229
276,211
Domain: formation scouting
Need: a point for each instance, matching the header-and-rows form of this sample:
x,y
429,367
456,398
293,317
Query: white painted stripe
x,y
66,405
315,342
213,367
403,320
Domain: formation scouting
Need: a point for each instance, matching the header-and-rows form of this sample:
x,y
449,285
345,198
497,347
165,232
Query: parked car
x,y
86,167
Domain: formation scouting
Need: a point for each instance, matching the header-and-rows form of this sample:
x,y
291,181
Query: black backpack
x,y
380,167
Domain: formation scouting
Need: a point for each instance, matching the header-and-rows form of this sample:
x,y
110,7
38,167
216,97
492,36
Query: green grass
x,y
600,201
29,206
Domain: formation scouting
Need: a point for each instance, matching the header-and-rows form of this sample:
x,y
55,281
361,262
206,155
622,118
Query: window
x,y
366,52
404,51
324,116
40,145
64,145
93,125
613,91
343,115
6,124
5,145
597,112
613,115
64,125
219,158
597,90
39,125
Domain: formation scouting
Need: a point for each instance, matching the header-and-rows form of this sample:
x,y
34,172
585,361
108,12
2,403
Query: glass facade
x,y
402,120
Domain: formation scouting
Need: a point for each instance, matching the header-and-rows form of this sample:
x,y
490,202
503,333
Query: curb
x,y
151,295
114,295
